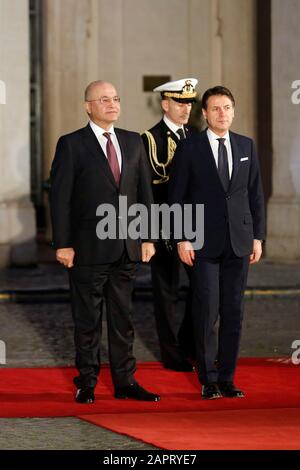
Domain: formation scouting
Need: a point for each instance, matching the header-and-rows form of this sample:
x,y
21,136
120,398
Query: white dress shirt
x,y
172,126
214,143
98,131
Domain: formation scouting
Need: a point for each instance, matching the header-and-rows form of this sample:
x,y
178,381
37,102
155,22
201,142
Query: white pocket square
x,y
244,159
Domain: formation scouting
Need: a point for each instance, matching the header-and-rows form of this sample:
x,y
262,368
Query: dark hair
x,y
216,90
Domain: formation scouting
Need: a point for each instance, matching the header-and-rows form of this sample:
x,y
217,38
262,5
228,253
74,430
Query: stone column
x,y
17,215
238,29
283,242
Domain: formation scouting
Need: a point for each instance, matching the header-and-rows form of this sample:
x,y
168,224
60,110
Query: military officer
x,y
160,143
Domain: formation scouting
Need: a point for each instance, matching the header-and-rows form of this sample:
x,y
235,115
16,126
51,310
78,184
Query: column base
x,y
18,232
283,235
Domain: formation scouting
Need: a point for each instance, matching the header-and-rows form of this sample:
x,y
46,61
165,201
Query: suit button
x,y
228,197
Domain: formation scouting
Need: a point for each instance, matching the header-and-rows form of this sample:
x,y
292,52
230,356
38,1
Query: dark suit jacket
x,y
195,180
81,180
161,132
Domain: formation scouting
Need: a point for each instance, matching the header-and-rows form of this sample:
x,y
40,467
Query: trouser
x,y
90,287
218,286
165,269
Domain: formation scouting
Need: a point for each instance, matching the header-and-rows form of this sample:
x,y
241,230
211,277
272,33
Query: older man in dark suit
x,y
92,168
220,170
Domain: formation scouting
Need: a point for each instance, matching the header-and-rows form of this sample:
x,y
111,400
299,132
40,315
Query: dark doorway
x,y
264,93
36,137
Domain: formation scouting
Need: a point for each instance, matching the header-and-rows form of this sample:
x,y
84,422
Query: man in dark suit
x,y
220,170
160,144
92,167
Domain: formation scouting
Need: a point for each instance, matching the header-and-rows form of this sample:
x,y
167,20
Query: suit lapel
x,y
210,157
95,149
165,130
124,152
236,154
208,151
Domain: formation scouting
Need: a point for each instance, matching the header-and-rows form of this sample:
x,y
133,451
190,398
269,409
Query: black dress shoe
x,y
136,392
211,391
180,366
229,390
85,395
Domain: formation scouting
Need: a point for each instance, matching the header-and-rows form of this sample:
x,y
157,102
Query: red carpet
x,y
268,418
43,392
210,430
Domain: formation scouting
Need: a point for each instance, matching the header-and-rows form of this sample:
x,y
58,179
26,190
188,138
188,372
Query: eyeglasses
x,y
106,100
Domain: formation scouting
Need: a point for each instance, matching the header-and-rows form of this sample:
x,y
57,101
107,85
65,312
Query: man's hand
x,y
257,251
186,253
65,256
148,251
